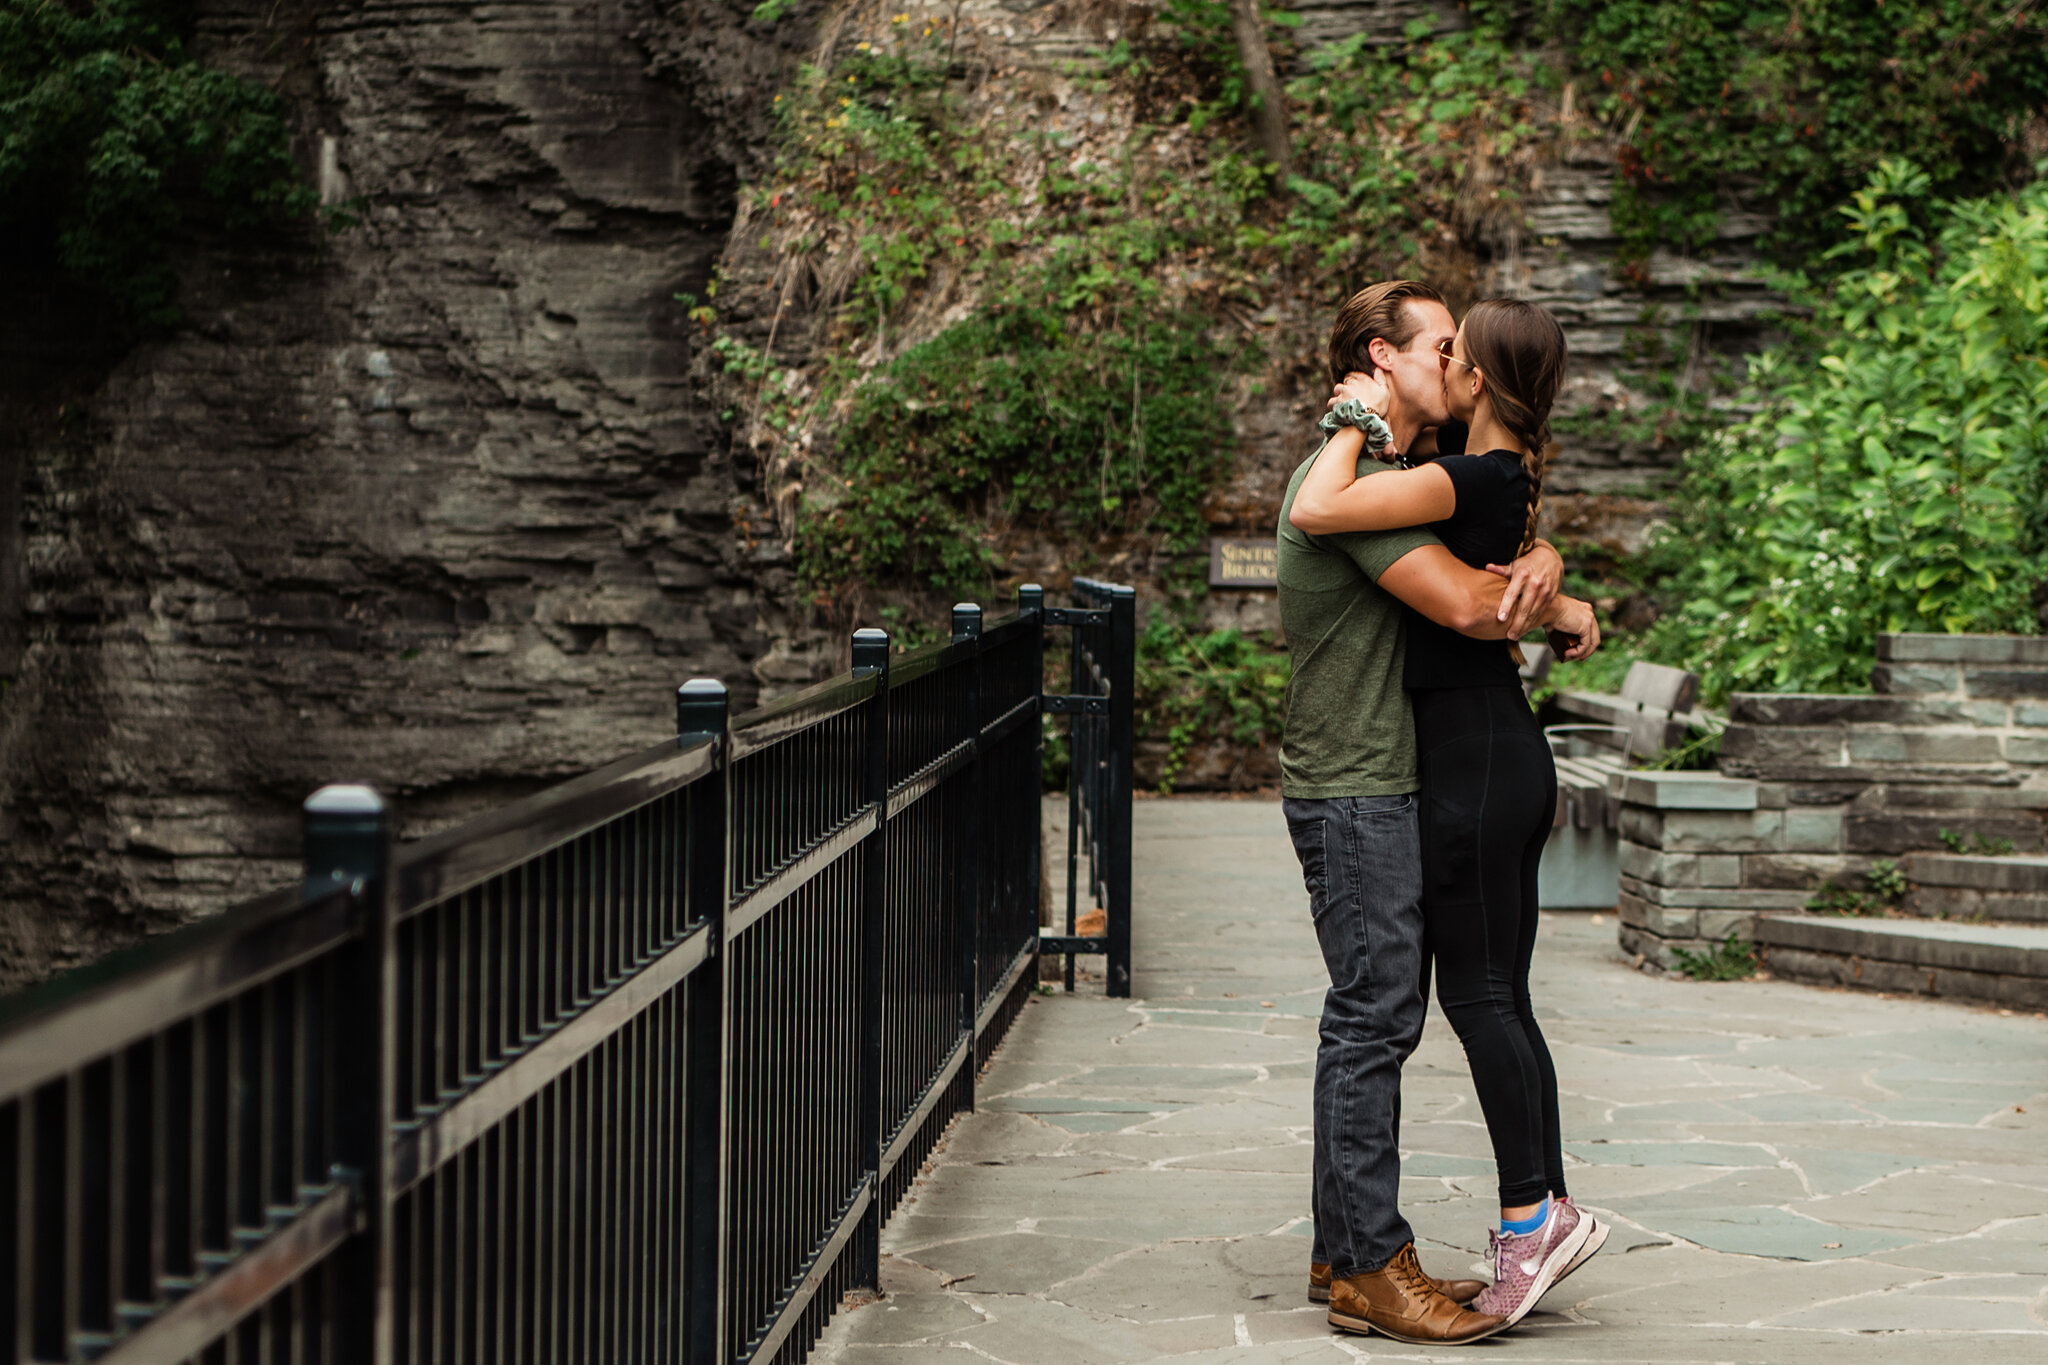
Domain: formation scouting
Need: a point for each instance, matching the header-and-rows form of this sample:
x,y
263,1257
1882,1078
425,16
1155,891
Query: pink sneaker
x,y
1595,1239
1526,1264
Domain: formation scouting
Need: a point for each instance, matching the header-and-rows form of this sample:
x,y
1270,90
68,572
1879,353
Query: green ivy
x,y
113,138
1894,475
1792,102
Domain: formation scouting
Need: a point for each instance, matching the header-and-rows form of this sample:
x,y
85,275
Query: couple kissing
x,y
1418,788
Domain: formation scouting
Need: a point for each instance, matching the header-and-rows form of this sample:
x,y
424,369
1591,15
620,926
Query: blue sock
x,y
1523,1226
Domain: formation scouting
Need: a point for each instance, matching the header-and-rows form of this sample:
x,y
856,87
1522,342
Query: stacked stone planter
x,y
1701,857
1812,788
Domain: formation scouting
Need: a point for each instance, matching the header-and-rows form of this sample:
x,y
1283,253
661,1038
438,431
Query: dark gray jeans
x,y
1362,859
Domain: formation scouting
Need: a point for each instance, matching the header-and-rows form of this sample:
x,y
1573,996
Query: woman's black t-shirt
x,y
1486,528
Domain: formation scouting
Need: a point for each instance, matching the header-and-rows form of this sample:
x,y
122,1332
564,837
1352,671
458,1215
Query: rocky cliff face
x,y
438,503
431,503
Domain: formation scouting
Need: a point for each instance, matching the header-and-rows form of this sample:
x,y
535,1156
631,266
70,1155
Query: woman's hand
x,y
1574,620
1369,389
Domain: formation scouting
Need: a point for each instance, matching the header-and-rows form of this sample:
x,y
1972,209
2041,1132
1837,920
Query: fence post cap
x,y
345,798
701,688
966,621
871,648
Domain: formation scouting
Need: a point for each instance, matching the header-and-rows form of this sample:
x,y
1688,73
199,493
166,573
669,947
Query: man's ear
x,y
1382,354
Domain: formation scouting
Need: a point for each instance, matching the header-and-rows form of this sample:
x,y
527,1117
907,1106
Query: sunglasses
x,y
1444,358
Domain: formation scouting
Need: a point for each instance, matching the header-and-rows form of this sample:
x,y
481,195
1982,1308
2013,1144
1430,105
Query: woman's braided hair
x,y
1521,350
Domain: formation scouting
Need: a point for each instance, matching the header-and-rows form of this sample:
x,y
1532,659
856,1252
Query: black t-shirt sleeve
x,y
1479,481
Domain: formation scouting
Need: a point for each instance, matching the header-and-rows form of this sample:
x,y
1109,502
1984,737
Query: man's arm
x,y
1449,592
1484,604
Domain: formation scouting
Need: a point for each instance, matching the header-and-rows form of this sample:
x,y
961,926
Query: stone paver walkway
x,y
1794,1174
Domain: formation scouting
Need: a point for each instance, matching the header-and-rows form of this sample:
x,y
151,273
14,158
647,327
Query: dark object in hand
x,y
1560,643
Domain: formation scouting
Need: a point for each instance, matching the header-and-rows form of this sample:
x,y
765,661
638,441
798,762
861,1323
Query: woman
x,y
1489,787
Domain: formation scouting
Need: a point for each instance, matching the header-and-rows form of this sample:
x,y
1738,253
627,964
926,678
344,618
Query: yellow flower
x,y
900,19
860,47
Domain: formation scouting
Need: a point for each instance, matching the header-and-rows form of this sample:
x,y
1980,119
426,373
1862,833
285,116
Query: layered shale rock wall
x,y
431,503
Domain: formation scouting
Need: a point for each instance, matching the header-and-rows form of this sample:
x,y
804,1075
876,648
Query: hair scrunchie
x,y
1352,413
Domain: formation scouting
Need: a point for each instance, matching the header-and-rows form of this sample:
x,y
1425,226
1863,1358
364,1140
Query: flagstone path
x,y
1793,1174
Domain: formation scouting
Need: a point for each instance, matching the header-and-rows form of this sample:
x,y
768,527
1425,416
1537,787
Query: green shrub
x,y
1894,475
1797,100
1216,684
1021,414
112,138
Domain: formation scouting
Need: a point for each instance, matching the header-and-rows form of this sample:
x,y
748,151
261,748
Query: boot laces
x,y
1409,1271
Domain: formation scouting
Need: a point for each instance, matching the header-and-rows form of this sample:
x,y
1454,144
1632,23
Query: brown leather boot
x,y
1460,1292
1401,1302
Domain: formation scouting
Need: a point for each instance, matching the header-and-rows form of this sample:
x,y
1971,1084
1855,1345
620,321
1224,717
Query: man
x,y
1348,782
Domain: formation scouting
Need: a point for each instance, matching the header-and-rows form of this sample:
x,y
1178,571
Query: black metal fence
x,y
633,1070
1099,704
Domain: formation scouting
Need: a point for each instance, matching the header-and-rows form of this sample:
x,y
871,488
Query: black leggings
x,y
1489,789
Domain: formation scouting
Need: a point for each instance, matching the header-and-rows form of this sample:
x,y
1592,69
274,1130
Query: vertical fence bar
x,y
703,708
967,907
1121,668
348,841
871,650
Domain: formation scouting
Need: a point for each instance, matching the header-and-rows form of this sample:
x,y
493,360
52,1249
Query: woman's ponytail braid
x,y
1521,350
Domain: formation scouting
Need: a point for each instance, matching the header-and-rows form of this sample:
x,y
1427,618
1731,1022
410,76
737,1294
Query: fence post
x,y
1031,602
1122,669
348,843
967,628
871,650
704,708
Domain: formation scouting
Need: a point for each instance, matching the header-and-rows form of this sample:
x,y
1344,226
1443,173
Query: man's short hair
x,y
1378,310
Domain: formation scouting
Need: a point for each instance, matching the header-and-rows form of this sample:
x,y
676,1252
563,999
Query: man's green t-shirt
x,y
1349,730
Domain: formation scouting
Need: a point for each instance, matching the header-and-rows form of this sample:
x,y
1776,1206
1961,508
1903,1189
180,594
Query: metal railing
x,y
633,1070
1099,707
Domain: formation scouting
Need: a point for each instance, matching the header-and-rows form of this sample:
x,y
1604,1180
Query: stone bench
x,y
1594,747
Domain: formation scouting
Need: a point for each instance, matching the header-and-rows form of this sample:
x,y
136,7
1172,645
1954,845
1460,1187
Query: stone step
x,y
1977,886
2001,964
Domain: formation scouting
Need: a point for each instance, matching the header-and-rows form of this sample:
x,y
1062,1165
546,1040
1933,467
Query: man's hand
x,y
1532,582
1573,629
1369,389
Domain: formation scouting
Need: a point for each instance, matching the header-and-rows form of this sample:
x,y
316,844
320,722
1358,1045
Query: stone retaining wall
x,y
1813,788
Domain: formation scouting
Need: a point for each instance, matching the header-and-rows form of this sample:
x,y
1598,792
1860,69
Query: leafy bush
x,y
112,137
1797,99
1019,413
1218,684
1894,475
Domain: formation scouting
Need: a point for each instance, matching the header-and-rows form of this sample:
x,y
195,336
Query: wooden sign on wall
x,y
1244,563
